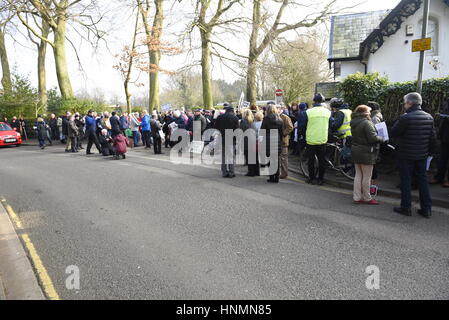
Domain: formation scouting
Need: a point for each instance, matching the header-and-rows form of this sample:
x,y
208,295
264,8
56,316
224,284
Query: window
x,y
5,127
432,32
337,69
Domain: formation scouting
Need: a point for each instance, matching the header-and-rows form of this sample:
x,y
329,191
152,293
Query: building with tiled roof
x,y
381,41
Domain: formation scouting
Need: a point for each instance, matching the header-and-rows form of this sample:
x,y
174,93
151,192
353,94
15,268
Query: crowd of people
x,y
299,127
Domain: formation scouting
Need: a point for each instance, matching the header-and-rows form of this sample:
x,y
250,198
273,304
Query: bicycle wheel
x,y
345,165
304,163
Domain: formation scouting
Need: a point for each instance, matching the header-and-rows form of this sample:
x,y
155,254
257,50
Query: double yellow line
x,y
42,273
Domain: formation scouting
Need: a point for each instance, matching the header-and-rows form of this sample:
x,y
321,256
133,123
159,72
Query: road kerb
x,y
17,274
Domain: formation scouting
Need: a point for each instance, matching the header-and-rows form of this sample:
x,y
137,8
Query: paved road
x,y
144,228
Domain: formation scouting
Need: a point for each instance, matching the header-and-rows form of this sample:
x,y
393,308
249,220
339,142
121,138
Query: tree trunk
x,y
206,69
144,12
130,66
155,55
6,79
62,73
251,80
251,77
41,70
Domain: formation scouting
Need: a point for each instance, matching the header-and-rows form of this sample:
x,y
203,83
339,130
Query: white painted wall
x,y
351,67
395,59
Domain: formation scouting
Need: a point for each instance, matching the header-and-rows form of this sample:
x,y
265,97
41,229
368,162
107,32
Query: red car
x,y
8,136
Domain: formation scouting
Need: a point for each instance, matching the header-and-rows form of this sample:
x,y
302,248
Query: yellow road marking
x,y
12,215
42,273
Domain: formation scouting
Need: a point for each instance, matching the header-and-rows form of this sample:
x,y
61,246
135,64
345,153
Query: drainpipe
x,y
366,66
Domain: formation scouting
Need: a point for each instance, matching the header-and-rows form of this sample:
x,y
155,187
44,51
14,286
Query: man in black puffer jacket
x,y
416,136
225,122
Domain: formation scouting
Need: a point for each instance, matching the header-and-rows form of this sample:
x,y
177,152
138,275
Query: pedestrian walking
x,y
91,132
416,139
365,150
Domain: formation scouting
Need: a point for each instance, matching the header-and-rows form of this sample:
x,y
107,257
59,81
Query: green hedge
x,y
359,88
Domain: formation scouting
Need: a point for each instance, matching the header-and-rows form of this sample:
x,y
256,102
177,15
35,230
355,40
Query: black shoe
x,y
67,151
231,176
404,212
89,153
310,181
320,182
124,156
425,213
225,175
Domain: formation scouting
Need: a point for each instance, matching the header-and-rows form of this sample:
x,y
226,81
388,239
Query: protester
x,y
416,137
365,150
341,118
79,121
227,121
315,124
287,130
248,127
115,124
155,132
272,122
376,113
65,131
53,123
124,122
134,124
106,122
443,135
106,141
41,129
146,129
91,128
120,142
73,134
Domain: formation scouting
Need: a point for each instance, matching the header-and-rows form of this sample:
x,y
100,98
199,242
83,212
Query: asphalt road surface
x,y
144,228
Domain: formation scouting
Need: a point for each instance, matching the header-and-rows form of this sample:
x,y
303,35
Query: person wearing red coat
x,y
120,143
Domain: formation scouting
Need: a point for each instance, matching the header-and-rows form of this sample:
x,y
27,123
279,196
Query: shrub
x,y
360,88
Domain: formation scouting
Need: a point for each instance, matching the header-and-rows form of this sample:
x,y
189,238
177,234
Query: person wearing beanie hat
x,y
315,124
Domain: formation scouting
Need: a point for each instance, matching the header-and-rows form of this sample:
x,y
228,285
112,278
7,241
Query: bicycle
x,y
337,156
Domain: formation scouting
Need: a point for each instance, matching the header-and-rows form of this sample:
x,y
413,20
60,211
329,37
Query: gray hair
x,y
413,98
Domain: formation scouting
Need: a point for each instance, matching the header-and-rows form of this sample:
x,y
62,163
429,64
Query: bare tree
x,y
126,63
259,43
206,28
57,14
5,17
153,42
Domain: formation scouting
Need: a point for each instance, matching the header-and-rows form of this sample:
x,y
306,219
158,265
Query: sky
x,y
96,74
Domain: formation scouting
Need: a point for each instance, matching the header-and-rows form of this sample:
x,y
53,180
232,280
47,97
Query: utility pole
x,y
425,22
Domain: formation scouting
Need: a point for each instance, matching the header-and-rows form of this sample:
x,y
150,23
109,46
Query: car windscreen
x,y
5,127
